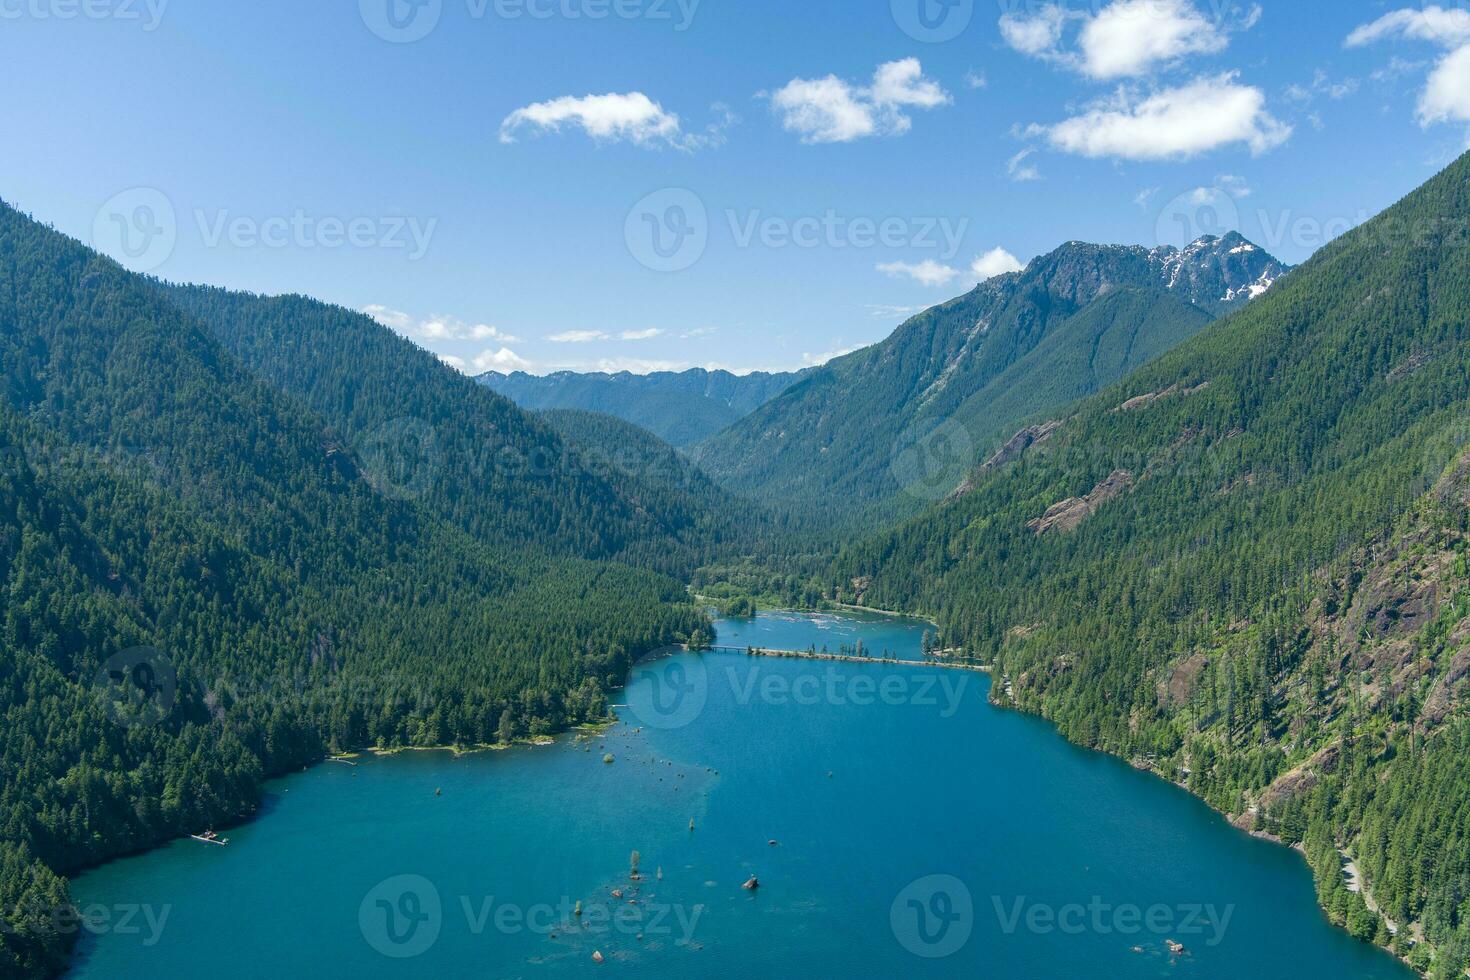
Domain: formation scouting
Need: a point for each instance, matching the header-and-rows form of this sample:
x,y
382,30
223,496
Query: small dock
x,y
345,762
210,837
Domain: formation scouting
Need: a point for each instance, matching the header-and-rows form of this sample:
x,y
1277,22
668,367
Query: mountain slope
x,y
307,593
885,429
622,450
1107,340
1165,574
680,408
474,458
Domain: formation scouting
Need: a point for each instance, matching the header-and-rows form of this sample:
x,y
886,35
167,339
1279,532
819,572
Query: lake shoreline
x,y
602,728
1233,820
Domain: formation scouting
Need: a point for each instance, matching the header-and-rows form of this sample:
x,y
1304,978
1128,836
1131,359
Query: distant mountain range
x,y
680,408
894,426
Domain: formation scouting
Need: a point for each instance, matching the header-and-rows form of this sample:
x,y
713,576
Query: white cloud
x,y
1235,186
1125,39
831,110
503,360
925,273
903,83
1334,90
632,365
1131,37
976,80
996,262
1435,24
887,312
593,336
1145,197
614,117
436,327
824,110
816,360
1172,124
392,319
578,337
1397,68
1446,96
1021,171
1322,84
1038,35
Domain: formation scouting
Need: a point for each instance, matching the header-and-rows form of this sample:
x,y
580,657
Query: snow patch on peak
x,y
1253,290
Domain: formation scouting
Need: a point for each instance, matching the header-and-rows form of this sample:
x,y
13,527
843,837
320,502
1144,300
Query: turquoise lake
x,y
918,831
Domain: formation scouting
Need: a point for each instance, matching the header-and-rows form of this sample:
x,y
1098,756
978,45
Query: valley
x,y
314,637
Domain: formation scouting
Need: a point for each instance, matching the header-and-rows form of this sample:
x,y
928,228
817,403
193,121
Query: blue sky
x,y
753,184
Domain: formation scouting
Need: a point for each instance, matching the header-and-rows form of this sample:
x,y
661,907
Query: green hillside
x,y
469,455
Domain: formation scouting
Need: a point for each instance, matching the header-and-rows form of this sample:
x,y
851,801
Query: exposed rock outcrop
x,y
1032,435
1069,514
1145,400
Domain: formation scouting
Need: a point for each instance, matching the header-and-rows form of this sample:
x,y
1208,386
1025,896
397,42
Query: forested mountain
x,y
680,408
1245,567
207,581
460,450
896,425
625,453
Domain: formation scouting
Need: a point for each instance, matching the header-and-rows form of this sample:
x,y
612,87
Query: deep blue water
x,y
919,832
